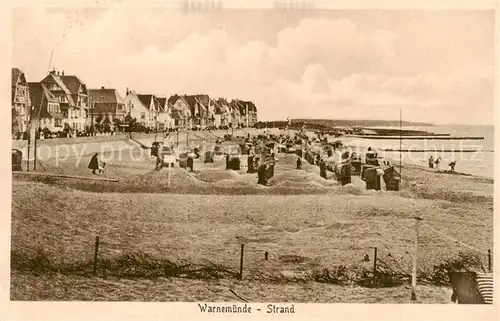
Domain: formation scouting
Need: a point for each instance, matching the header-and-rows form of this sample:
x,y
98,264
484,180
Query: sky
x,y
438,66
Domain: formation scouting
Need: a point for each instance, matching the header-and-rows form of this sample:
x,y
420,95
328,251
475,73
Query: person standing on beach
x,y
322,168
345,169
437,162
299,163
261,174
431,162
94,163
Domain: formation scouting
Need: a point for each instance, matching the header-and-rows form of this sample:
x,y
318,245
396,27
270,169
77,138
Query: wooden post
x,y
374,265
169,170
241,261
400,146
489,261
414,271
95,254
34,150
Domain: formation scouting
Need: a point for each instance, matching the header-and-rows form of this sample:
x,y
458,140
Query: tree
x,y
106,124
116,123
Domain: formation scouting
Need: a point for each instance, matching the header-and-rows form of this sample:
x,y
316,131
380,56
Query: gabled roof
x,y
16,74
163,103
157,105
57,79
40,95
251,105
172,99
203,99
190,100
145,100
106,100
73,83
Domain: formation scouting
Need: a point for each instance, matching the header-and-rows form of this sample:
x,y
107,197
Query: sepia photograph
x,y
224,156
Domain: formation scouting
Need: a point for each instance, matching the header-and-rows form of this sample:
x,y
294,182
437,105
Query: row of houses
x,y
63,102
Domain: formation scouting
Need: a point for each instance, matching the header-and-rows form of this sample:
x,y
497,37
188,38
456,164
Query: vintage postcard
x,y
250,159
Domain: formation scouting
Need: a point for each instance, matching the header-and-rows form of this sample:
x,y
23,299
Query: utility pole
x,y
415,254
400,139
29,134
92,106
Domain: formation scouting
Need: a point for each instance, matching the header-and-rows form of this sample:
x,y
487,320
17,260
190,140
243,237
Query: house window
x,y
57,122
143,115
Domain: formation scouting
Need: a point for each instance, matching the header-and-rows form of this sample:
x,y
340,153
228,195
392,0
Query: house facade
x,y
206,109
137,109
21,104
165,114
153,106
72,95
248,111
107,108
235,113
46,109
222,113
181,112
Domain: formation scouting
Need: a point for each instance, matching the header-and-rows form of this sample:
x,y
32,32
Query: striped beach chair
x,y
472,288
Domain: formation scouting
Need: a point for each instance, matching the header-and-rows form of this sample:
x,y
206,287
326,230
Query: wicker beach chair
x,y
472,288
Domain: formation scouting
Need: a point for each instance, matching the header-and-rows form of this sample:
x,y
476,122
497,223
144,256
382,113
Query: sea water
x,y
480,162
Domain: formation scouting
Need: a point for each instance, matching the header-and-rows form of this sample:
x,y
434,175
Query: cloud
x,y
314,67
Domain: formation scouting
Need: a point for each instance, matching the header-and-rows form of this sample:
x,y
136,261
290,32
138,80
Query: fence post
x,y
489,261
241,261
414,272
374,265
96,251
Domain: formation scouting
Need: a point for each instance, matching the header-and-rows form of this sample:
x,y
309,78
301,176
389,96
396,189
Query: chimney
x,y
58,73
62,73
126,91
53,72
102,87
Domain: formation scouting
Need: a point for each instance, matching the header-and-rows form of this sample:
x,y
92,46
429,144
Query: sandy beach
x,y
319,236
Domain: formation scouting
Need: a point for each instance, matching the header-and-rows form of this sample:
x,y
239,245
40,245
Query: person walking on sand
x,y
299,163
261,174
431,162
322,168
437,162
190,162
94,163
345,169
452,165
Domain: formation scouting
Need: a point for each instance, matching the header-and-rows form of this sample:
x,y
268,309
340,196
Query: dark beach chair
x,y
472,288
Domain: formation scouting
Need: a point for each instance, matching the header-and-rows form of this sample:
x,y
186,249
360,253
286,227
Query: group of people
x,y
434,163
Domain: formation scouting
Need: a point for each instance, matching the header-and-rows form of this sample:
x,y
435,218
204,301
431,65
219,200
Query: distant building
x,y
181,112
222,113
165,114
145,108
106,103
46,109
21,104
249,113
72,95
